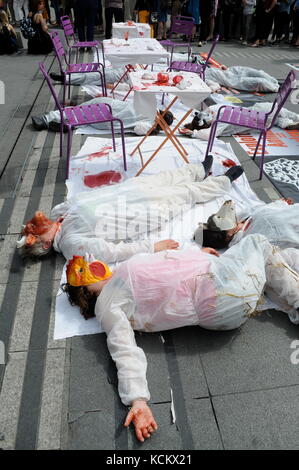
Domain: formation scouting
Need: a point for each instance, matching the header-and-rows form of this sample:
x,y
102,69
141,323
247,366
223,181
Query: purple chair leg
x,y
263,155
123,144
61,138
211,137
64,87
69,148
113,136
257,145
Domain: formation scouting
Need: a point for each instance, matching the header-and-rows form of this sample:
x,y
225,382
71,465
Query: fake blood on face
x,y
102,179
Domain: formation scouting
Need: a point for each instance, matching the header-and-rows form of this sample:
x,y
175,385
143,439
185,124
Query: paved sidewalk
x,y
231,390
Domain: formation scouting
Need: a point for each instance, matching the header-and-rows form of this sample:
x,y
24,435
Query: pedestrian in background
x,y
295,40
85,13
248,10
264,21
113,8
162,9
281,21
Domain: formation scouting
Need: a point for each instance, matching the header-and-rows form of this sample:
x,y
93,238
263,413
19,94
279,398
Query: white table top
x,y
145,90
135,30
137,51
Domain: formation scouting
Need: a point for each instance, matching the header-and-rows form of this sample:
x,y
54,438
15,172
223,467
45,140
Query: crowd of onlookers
x,y
258,22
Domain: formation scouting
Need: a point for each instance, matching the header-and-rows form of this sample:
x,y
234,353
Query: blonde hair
x,y
4,17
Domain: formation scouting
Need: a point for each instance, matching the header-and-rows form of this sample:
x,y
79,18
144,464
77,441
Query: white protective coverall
x,y
93,220
175,289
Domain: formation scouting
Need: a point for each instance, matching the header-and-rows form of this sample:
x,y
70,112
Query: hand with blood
x,y
142,418
38,225
162,77
177,79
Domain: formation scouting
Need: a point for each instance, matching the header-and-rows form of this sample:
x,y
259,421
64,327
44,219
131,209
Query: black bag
x,y
27,29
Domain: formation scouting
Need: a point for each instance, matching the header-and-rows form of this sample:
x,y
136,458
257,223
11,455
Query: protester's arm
x,y
39,19
110,252
130,360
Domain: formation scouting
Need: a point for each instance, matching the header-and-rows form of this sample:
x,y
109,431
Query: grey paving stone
x,y
17,216
186,343
20,336
49,433
92,431
92,376
10,398
253,357
266,419
157,370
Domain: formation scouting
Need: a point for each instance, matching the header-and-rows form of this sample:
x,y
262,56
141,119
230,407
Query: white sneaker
x,y
244,43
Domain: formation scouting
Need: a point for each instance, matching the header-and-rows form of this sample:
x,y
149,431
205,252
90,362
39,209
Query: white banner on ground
x,y
279,142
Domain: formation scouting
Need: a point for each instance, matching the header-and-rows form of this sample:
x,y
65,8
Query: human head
x,y
3,17
168,117
85,279
37,5
37,236
219,229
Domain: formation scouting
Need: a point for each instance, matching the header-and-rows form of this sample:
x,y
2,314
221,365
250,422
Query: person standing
x,y
264,21
85,13
248,10
113,8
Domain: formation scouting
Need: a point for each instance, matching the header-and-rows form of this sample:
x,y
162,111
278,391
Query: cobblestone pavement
x,y
231,390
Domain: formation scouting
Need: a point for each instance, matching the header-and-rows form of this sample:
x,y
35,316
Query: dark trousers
x,y
118,17
85,19
281,24
264,23
232,20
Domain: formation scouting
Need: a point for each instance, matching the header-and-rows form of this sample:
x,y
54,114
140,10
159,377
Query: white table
x,y
134,51
136,30
145,91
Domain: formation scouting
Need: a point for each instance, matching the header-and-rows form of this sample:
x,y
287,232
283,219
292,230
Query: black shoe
x,y
39,123
56,77
55,126
234,172
207,164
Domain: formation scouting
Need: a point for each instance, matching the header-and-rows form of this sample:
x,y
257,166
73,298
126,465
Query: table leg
x,y
169,136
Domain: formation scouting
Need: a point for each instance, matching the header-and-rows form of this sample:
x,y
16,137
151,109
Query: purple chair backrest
x,y
284,90
49,82
67,28
182,25
59,49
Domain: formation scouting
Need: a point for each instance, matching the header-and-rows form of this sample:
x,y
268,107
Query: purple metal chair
x,y
75,116
257,120
191,67
74,44
180,25
66,69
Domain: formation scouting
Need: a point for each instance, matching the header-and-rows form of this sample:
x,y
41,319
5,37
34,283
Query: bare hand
x,y
211,251
141,416
166,245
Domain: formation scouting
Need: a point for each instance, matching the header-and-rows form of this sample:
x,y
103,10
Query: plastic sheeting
x,y
243,78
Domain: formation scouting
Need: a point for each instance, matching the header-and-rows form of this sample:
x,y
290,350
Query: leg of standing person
x,y
118,15
108,19
90,19
81,21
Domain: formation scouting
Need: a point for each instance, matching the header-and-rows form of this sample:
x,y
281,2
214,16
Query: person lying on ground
x,y
278,221
170,290
92,221
124,110
199,127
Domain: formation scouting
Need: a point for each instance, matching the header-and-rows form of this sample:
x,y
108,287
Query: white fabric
x,y
145,91
243,78
239,277
278,221
138,51
284,119
94,219
68,321
137,30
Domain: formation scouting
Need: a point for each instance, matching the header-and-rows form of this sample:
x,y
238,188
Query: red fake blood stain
x,y
228,163
97,269
101,153
101,179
